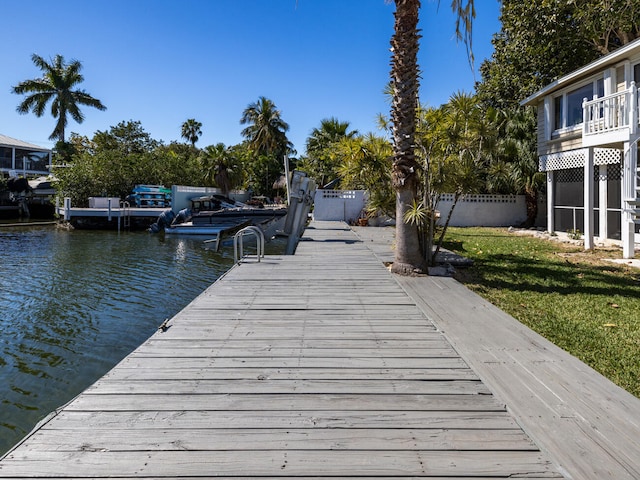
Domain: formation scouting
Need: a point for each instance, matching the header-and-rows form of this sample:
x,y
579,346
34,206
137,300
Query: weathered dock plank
x,y
485,405
239,439
336,386
336,420
148,370
283,463
317,365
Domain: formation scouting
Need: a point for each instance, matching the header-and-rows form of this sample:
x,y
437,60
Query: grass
x,y
576,299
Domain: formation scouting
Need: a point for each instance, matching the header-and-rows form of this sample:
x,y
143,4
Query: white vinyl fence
x,y
471,210
345,205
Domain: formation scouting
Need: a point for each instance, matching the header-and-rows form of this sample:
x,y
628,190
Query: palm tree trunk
x,y
404,72
408,256
531,201
456,197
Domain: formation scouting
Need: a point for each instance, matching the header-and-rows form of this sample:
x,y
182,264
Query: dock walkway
x,y
316,365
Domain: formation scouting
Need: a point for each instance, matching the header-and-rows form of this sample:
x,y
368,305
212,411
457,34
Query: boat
x,y
216,215
213,214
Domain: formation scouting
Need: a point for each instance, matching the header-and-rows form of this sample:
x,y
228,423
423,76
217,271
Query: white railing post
x,y
67,209
633,109
585,117
611,113
551,200
588,198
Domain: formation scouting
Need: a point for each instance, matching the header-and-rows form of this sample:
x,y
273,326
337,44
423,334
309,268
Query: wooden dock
x,y
315,365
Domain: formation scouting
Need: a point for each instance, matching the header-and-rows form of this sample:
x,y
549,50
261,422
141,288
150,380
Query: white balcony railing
x,y
611,113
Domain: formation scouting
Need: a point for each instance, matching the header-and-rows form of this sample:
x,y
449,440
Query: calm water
x,y
74,303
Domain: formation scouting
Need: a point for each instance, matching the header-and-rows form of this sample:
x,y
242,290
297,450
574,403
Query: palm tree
x,y
331,130
56,85
520,144
191,131
404,87
404,173
220,167
321,161
265,131
365,164
267,139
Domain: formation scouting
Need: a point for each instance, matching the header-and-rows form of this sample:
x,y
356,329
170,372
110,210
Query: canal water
x,y
74,303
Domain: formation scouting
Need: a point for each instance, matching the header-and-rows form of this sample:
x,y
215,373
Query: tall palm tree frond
x,y
191,131
265,131
56,86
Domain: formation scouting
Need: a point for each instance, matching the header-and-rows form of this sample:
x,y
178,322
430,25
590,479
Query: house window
x,y
5,158
568,106
574,104
31,160
559,114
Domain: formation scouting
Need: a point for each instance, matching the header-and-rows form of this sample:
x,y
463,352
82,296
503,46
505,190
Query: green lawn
x,y
577,300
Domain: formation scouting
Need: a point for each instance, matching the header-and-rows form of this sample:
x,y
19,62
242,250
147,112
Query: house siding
x,y
621,83
541,130
568,140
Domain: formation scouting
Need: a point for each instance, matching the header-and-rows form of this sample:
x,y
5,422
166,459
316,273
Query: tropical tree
x,y
431,143
454,142
125,137
220,167
519,150
266,136
366,165
404,172
404,86
191,131
114,161
321,161
266,131
177,164
56,86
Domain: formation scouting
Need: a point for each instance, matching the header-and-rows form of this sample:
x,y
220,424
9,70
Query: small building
x,y
588,132
22,158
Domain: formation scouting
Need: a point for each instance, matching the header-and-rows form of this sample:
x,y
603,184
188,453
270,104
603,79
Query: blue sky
x,y
163,61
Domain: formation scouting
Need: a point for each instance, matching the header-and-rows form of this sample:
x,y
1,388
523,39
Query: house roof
x,y
12,142
589,69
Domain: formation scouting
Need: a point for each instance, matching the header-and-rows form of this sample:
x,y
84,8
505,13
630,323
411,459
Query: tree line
x,y
112,162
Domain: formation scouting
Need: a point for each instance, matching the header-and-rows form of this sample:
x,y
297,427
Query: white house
x,y
22,158
588,132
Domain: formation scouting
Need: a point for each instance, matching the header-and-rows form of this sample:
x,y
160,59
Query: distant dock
x,y
114,214
325,365
28,224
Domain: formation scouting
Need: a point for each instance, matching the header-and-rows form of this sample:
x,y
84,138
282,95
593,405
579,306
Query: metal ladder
x,y
215,242
238,243
125,215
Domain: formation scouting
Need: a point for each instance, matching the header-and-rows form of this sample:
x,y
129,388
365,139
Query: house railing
x,y
611,113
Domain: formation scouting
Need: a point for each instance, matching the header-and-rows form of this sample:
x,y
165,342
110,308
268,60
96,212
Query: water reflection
x,y
73,304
